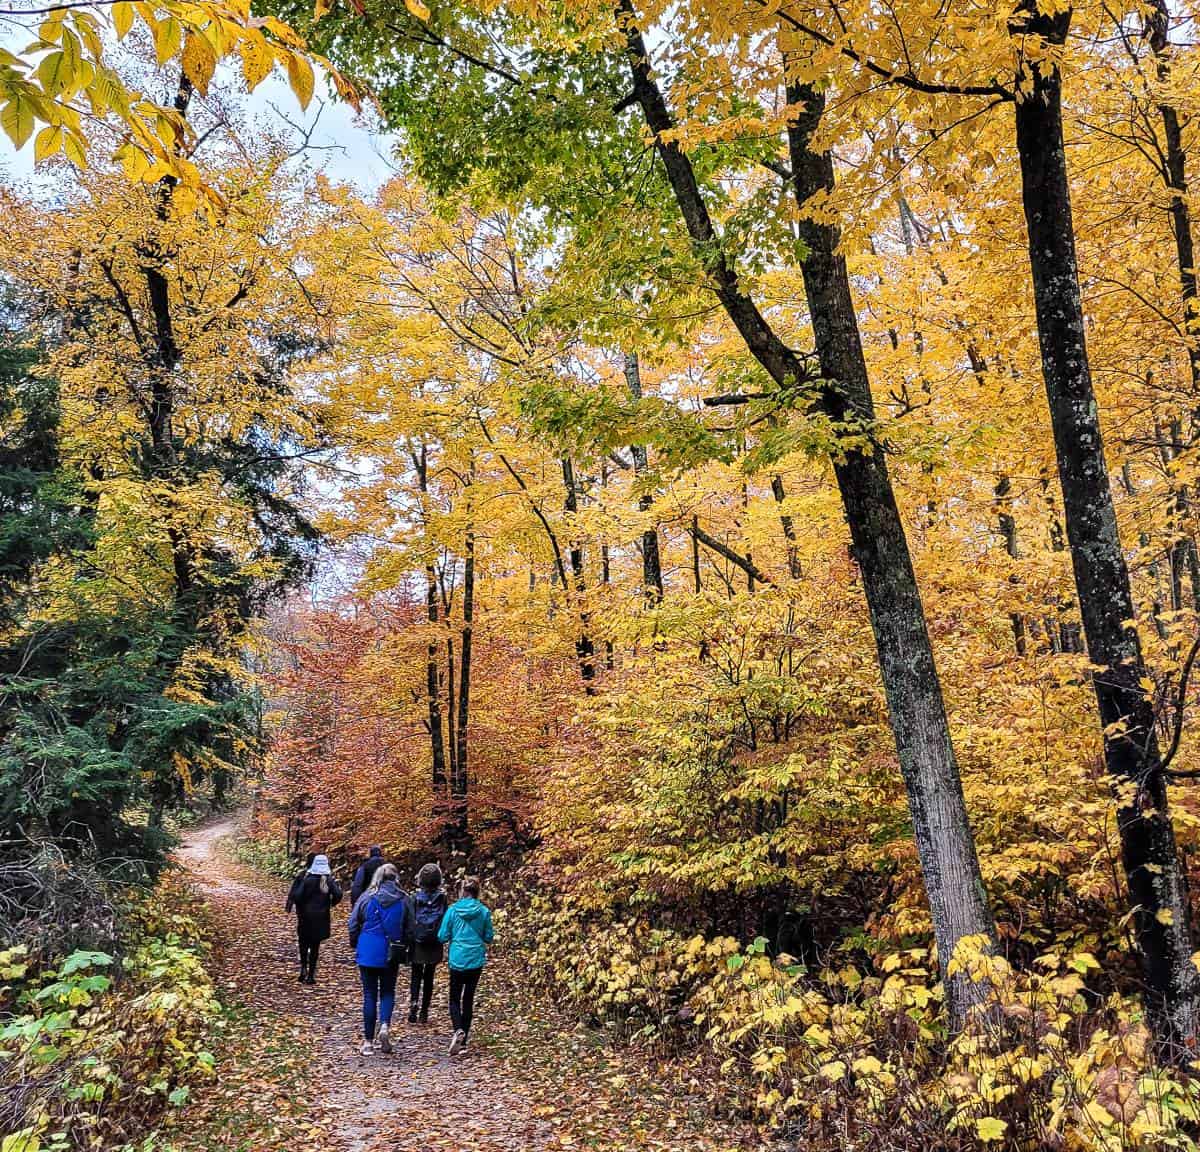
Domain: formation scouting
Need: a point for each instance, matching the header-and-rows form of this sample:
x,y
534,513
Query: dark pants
x,y
463,982
308,956
420,986
379,996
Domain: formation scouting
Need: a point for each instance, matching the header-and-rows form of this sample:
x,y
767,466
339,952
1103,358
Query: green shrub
x,y
96,1048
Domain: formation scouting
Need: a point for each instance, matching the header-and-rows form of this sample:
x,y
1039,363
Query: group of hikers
x,y
390,928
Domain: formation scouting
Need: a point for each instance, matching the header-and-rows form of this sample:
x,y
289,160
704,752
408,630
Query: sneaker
x,y
385,1040
457,1042
367,1048
424,1016
412,1013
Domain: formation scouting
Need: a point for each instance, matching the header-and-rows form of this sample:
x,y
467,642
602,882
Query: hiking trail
x,y
289,1075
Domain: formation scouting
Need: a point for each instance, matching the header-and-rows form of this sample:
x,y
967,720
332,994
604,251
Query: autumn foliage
x,y
741,471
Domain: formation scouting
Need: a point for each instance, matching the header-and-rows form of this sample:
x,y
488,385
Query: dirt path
x,y
290,1075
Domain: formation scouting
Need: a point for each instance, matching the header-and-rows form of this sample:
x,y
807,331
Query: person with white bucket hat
x,y
313,894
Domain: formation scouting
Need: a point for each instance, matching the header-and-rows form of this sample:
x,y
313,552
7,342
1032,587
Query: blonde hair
x,y
382,873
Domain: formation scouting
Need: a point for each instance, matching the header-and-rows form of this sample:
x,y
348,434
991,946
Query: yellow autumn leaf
x,y
16,118
256,61
48,142
122,18
73,149
417,8
55,73
168,33
300,77
199,61
990,1128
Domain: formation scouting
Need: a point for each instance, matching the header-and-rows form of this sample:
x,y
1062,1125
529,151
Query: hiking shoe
x,y
424,1016
367,1048
412,1013
457,1042
385,1040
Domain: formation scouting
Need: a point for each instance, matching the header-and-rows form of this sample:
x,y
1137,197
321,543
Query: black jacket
x,y
362,878
312,905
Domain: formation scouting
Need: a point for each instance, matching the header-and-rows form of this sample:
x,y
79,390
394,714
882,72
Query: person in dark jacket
x,y
467,928
429,906
380,921
365,873
312,895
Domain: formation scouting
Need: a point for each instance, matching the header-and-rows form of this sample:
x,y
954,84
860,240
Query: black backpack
x,y
429,907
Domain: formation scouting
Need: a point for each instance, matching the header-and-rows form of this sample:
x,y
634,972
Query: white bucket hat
x,y
320,866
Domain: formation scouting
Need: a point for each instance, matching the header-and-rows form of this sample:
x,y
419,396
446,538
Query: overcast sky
x,y
343,147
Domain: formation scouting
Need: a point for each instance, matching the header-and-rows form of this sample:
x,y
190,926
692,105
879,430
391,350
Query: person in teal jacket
x,y
467,928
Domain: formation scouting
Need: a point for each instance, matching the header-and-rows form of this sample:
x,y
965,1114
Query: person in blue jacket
x,y
381,926
467,928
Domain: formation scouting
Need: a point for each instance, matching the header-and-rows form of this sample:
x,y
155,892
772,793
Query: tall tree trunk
x,y
1008,533
161,459
652,578
585,649
433,696
953,884
460,788
789,528
1153,870
945,844
1174,173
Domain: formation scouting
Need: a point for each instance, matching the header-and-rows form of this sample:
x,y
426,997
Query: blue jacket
x,y
467,928
378,920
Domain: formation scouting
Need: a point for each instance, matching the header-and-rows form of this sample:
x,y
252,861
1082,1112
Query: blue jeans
x,y
379,996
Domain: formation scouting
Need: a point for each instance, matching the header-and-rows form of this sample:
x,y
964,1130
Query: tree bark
x,y
1007,526
945,843
652,579
953,884
460,784
1153,870
1174,173
585,649
789,527
437,741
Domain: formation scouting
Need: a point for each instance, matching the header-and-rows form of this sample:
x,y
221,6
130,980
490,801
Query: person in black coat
x,y
366,873
313,894
429,906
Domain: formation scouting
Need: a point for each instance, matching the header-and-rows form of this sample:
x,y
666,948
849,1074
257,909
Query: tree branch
x,y
711,542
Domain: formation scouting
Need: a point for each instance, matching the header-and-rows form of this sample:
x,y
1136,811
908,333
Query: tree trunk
x,y
1008,533
1174,172
953,884
652,579
437,742
460,785
585,650
945,844
789,527
1156,880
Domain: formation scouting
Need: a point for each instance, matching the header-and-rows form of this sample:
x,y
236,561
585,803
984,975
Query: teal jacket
x,y
467,928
